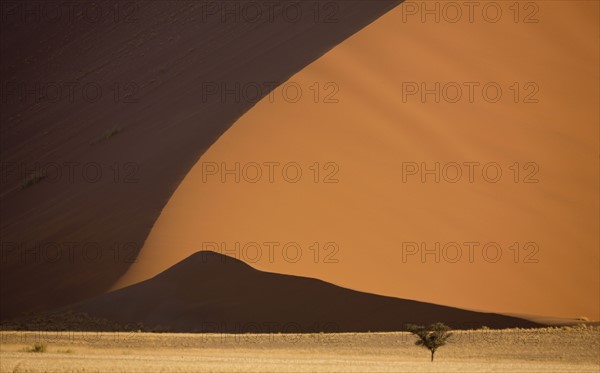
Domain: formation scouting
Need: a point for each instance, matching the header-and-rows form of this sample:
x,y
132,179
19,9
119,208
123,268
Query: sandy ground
x,y
515,350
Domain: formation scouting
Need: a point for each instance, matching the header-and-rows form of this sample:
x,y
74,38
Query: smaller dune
x,y
210,292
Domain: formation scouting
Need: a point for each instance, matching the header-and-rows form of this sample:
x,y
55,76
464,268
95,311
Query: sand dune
x,y
138,118
210,292
376,127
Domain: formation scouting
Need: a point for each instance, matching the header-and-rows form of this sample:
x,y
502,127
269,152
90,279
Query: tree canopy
x,y
432,337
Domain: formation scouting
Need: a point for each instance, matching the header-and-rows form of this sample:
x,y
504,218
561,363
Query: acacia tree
x,y
432,337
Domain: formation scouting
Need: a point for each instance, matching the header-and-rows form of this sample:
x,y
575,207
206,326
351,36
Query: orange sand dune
x,y
118,116
374,131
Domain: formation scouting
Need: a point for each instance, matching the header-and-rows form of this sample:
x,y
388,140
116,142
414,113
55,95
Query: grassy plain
x,y
567,349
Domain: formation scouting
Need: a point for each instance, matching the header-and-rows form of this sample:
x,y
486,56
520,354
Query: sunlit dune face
x,y
360,215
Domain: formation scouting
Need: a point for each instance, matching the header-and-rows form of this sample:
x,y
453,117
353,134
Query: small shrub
x,y
38,347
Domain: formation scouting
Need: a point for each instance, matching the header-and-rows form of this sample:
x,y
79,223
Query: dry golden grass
x,y
542,350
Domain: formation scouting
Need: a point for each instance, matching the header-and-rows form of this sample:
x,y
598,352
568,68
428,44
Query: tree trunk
x,y
432,352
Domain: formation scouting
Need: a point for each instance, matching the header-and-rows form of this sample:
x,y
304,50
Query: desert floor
x,y
569,349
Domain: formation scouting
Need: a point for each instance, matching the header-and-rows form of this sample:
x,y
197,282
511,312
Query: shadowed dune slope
x,y
71,235
213,292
